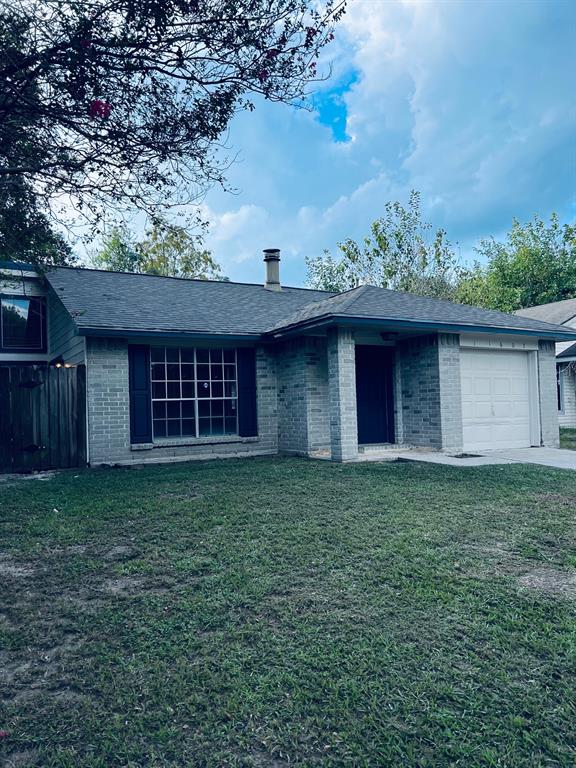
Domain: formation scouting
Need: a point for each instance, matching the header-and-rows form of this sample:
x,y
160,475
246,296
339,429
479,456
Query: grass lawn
x,y
568,438
278,612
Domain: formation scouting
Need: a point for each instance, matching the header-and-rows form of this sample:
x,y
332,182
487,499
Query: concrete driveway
x,y
547,457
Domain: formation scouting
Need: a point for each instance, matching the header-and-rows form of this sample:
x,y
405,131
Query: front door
x,y
374,394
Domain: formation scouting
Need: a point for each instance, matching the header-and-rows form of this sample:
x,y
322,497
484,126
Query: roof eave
x,y
173,335
344,320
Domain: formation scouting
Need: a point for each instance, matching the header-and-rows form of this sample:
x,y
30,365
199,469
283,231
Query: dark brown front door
x,y
375,394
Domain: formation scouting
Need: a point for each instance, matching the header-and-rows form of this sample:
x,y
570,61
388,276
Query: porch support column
x,y
342,389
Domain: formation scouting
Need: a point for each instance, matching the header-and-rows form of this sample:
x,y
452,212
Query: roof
x,y
101,301
556,312
395,307
566,350
117,303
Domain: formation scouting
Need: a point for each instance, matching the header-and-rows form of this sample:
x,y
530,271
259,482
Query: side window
x,y
560,387
22,323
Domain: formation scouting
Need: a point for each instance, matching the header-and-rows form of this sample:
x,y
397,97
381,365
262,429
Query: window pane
x,y
173,372
187,372
159,410
157,354
22,323
202,356
216,372
158,390
174,428
173,389
215,355
203,389
230,389
158,372
187,389
159,428
217,389
173,410
204,427
230,372
230,408
203,372
188,409
217,426
217,407
229,356
230,426
187,355
204,408
172,354
188,428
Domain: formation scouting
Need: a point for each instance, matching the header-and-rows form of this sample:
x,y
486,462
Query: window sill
x,y
191,441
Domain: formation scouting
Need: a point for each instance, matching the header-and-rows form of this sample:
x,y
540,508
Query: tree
x,y
118,253
26,233
402,252
124,102
536,264
167,249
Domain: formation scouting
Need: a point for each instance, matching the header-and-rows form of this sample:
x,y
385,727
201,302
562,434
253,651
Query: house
x,y
561,313
138,368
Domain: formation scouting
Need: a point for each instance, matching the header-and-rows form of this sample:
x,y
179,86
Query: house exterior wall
x,y
62,336
428,391
567,416
109,413
342,394
547,393
302,375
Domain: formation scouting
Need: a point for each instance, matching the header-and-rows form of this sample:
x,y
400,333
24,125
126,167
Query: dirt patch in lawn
x,y
550,581
14,569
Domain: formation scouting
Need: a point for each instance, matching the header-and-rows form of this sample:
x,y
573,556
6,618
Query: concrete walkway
x,y
547,457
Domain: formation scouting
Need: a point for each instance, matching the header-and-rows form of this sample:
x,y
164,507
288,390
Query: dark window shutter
x,y
247,413
140,400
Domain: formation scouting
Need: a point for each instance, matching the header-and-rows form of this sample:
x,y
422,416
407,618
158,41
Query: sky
x,y
470,102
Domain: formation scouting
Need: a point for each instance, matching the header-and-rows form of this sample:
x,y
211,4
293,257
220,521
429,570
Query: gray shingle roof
x,y
120,301
367,301
556,312
100,302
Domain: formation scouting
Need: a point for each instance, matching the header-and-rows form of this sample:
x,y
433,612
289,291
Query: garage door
x,y
495,399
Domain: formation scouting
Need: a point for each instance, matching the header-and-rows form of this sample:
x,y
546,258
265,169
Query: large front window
x,y
22,324
194,392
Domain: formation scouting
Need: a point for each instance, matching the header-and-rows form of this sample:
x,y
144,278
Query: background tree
x,y
124,102
536,264
402,252
167,249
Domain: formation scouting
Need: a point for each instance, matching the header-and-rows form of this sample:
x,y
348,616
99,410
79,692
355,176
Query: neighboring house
x,y
180,368
561,313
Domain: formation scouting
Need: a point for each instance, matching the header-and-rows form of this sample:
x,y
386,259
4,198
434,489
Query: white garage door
x,y
495,399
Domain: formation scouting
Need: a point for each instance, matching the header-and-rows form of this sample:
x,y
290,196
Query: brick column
x,y
450,391
342,391
548,397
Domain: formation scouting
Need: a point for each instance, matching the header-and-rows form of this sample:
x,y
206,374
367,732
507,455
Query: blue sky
x,y
470,102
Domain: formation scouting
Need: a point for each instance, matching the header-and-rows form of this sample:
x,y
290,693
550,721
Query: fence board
x,y
42,417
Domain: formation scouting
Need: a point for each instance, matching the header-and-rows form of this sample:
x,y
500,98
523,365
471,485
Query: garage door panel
x,y
495,399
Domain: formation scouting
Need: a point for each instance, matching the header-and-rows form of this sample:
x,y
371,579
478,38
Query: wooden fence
x,y
42,417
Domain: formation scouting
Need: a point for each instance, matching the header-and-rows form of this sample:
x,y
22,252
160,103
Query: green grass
x,y
282,612
568,438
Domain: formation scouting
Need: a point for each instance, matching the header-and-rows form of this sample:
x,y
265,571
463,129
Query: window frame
x,y
195,381
560,395
43,324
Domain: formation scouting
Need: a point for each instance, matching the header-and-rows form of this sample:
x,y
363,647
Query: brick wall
x,y
548,397
567,418
342,394
109,413
430,392
303,418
